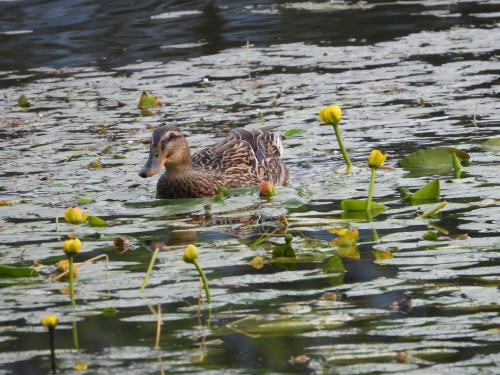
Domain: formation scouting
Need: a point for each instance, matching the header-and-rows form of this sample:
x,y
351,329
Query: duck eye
x,y
171,136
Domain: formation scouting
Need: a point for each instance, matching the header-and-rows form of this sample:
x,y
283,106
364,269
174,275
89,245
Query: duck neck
x,y
180,164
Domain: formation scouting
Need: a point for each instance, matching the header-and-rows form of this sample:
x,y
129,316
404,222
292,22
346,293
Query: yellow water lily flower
x,y
50,321
348,252
267,189
382,254
376,159
74,215
331,114
72,246
190,254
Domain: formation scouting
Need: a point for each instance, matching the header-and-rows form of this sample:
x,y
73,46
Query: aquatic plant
x,y
332,115
375,161
191,256
75,215
50,321
71,247
267,189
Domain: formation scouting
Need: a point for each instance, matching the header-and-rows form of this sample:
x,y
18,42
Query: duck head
x,y
169,148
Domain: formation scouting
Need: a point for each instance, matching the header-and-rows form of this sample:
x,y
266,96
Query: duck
x,y
243,158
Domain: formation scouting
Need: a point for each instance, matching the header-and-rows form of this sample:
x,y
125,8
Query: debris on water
x,y
403,305
301,359
121,244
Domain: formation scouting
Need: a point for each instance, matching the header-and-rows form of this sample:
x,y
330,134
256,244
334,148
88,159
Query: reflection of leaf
x,y
429,191
293,133
348,252
97,221
10,271
352,205
433,158
334,265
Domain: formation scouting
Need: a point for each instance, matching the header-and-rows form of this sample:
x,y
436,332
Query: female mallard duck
x,y
243,158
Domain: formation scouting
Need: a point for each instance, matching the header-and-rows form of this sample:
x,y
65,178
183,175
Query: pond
x,y
408,75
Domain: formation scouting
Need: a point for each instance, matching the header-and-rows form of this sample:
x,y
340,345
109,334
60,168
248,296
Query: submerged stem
x,y
204,279
370,191
342,148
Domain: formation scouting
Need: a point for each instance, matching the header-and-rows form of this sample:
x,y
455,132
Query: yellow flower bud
x,y
376,159
331,114
50,321
190,254
74,215
72,246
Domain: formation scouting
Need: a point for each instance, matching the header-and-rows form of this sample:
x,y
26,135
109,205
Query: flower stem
x,y
75,335
342,148
150,269
52,349
370,191
204,279
70,280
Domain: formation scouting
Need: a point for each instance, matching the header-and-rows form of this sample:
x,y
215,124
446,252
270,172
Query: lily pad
x,y
10,271
148,100
436,158
294,133
353,205
83,200
97,221
428,192
23,102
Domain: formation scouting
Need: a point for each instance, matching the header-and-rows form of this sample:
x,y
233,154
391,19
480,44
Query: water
x,y
408,75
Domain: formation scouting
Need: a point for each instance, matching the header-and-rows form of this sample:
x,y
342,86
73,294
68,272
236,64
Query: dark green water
x,y
408,75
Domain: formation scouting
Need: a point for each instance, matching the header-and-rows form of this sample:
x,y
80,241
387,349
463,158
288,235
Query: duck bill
x,y
152,166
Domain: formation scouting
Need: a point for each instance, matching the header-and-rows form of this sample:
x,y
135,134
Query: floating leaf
x,y
435,158
148,100
23,102
430,236
429,191
382,254
294,133
257,262
5,203
96,164
97,221
353,205
83,200
10,271
457,166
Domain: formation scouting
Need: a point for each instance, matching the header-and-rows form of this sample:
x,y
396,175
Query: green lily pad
x,y
97,221
353,205
10,271
436,158
294,133
430,191
83,200
148,100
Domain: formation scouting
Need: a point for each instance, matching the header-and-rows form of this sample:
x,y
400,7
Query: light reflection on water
x,y
397,95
